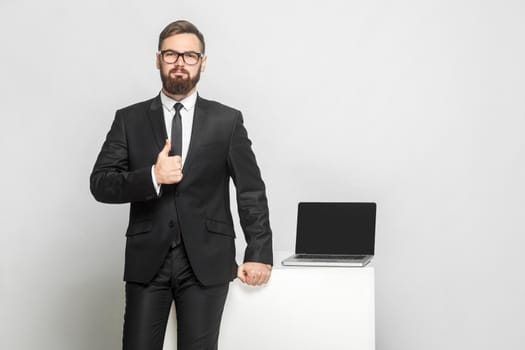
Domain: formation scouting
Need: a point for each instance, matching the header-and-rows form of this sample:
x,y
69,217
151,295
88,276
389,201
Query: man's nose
x,y
179,61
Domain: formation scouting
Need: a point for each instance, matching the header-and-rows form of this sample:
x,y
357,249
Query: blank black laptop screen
x,y
336,228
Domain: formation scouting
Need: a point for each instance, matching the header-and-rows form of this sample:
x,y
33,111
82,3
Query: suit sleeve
x,y
111,180
251,196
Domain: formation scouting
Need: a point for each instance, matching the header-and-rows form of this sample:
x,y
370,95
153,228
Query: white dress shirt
x,y
186,114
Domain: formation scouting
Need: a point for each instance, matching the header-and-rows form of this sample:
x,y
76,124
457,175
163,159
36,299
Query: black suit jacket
x,y
219,149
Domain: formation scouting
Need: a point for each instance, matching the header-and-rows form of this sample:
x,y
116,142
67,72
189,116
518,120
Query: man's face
x,y
180,78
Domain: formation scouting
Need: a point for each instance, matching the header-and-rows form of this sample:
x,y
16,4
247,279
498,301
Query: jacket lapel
x,y
156,118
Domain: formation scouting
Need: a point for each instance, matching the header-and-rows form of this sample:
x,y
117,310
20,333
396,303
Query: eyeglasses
x,y
189,57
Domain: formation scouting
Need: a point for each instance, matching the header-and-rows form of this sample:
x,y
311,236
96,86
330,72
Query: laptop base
x,y
337,261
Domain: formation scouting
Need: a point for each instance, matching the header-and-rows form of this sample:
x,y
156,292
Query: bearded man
x,y
172,158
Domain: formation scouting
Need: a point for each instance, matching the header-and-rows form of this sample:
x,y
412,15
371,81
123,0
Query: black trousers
x,y
199,308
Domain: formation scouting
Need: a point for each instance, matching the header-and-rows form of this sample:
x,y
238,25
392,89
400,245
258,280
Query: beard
x,y
179,85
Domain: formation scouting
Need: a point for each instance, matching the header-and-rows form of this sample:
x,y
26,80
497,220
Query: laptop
x,y
334,234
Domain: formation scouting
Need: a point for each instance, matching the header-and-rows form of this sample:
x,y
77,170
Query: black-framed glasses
x,y
189,57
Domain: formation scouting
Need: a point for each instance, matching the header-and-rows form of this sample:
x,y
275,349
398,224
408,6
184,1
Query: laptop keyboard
x,y
329,257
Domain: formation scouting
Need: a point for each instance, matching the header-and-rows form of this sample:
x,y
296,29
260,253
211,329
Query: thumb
x,y
240,273
166,150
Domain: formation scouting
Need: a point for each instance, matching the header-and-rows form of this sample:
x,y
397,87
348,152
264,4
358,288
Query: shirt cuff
x,y
154,180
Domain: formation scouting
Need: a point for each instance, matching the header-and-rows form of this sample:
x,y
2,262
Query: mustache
x,y
179,70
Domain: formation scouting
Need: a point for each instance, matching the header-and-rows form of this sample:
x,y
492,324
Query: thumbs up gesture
x,y
168,169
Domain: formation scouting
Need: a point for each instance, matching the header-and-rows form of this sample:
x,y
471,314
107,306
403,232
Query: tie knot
x,y
178,106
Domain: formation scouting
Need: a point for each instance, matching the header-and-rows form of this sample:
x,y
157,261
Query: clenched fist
x,y
254,273
168,170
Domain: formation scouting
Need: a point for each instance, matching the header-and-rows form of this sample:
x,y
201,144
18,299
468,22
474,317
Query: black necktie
x,y
176,131
176,150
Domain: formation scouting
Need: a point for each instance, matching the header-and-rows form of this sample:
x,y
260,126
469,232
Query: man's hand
x,y
254,274
168,170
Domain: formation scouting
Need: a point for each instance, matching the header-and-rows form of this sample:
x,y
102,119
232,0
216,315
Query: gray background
x,y
417,105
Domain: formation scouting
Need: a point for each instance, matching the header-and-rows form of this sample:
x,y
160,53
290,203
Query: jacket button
x,y
171,224
177,194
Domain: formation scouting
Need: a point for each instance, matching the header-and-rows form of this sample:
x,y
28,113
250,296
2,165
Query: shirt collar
x,y
188,103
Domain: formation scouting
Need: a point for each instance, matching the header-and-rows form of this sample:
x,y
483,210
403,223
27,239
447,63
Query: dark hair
x,y
180,27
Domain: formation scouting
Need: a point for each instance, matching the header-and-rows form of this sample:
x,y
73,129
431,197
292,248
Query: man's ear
x,y
203,64
157,60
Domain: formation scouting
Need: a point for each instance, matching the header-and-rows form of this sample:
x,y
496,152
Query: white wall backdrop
x,y
418,105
